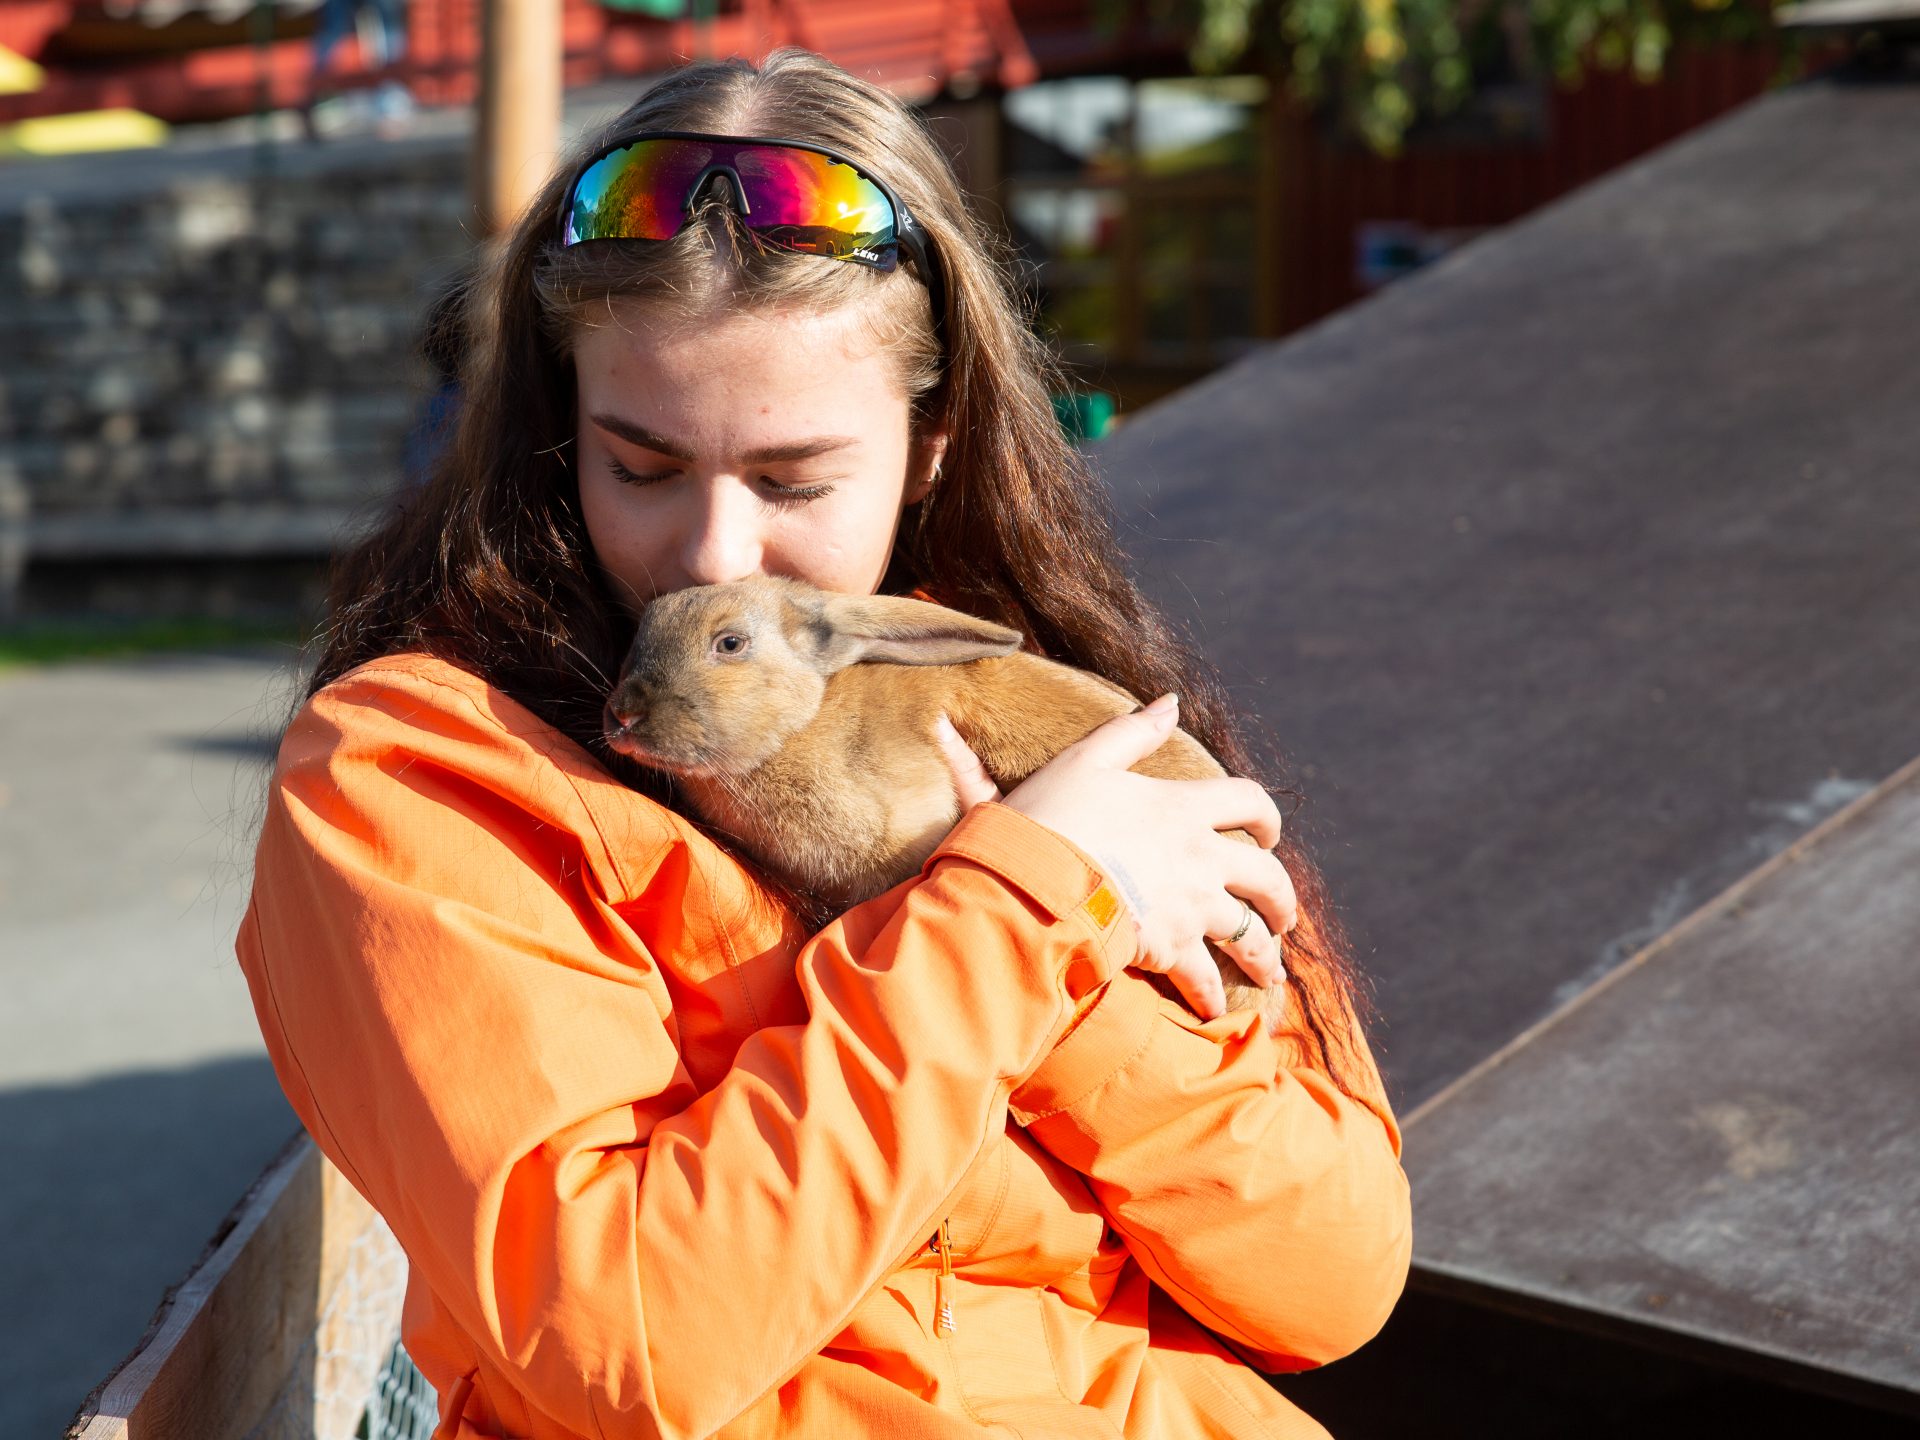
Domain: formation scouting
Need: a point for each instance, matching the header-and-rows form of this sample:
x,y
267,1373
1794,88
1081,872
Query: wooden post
x,y
1129,265
517,139
1285,196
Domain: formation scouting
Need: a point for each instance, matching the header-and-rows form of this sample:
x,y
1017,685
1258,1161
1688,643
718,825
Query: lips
x,y
622,741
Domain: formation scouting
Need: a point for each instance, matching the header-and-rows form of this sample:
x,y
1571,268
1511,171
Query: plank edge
x,y
1756,1360
107,1413
1697,919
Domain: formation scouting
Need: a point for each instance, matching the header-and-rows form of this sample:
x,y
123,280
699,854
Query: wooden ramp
x,y
1576,574
1716,1147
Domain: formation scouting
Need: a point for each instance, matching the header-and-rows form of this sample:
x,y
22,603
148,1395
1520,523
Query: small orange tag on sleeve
x,y
1103,905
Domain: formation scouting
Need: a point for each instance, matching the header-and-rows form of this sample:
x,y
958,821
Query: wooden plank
x,y
1712,1149
276,1332
363,1279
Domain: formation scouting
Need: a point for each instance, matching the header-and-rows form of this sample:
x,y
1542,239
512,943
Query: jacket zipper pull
x,y
943,1283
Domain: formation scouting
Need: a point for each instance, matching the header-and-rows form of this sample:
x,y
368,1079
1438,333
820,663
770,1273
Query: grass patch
x,y
49,642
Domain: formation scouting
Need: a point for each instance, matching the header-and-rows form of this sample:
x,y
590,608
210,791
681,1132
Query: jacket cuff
x,y
1107,1038
1053,873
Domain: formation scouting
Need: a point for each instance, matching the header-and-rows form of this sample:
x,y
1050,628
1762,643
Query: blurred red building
x,y
1169,222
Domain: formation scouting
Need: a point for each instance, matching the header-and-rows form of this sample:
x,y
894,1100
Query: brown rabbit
x,y
754,697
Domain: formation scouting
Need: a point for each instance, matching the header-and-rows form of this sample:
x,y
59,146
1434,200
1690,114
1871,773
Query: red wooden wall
x,y
917,47
1608,121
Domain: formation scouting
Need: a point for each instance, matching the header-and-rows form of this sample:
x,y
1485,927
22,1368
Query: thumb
x,y
1126,740
971,782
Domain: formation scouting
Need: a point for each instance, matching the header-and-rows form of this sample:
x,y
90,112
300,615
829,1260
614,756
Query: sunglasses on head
x,y
789,194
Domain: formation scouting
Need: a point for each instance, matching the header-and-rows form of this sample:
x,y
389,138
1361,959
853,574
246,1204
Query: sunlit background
x,y
221,226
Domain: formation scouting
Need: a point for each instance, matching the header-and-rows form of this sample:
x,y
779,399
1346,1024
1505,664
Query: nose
x,y
624,711
723,539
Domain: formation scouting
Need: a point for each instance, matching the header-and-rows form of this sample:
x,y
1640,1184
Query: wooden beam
x,y
518,136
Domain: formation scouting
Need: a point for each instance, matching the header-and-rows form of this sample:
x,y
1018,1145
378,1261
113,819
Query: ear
x,y
850,629
928,454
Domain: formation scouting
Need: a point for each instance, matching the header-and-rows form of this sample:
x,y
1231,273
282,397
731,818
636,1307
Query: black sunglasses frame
x,y
909,234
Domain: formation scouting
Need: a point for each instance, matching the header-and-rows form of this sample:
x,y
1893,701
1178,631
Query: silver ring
x,y
1246,923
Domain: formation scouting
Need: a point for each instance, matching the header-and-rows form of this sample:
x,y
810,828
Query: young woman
x,y
664,1164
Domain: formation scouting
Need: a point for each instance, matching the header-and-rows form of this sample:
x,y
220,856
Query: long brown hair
x,y
489,566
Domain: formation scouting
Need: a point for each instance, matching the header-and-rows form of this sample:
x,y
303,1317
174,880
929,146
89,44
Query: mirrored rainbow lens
x,y
636,193
795,199
810,203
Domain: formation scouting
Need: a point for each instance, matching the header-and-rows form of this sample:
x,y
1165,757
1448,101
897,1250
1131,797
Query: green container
x,y
1084,415
659,9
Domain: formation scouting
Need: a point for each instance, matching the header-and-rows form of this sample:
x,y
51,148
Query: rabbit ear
x,y
849,629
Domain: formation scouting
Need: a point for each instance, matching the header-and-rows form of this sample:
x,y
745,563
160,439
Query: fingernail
x,y
1165,710
943,727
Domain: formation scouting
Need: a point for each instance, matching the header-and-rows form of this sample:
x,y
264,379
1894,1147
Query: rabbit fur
x,y
799,724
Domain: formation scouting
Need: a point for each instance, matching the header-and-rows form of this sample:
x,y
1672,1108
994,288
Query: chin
x,y
622,743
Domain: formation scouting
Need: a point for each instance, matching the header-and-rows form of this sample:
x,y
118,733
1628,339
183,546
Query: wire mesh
x,y
404,1406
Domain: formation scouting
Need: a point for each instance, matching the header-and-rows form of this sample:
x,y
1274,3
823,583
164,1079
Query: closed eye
x,y
780,494
771,489
630,477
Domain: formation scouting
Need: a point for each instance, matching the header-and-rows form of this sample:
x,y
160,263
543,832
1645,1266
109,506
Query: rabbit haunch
x,y
799,724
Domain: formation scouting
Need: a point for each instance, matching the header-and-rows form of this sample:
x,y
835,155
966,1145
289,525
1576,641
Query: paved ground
x,y
135,1100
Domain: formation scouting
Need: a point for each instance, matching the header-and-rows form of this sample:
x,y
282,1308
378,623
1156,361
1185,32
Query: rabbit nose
x,y
625,714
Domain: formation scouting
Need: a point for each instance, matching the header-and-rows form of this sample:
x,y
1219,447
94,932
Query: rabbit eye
x,y
730,644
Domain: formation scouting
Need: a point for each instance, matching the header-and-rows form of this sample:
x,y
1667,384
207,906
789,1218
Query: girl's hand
x,y
1159,841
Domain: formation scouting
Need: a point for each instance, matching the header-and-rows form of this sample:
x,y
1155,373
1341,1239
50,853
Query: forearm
x,y
839,1140
1264,1199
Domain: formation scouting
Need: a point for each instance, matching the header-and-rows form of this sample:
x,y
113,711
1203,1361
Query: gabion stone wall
x,y
215,351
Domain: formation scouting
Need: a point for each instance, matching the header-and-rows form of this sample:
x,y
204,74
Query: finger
x,y
1253,951
1126,740
1197,978
971,782
1230,804
1189,965
1258,877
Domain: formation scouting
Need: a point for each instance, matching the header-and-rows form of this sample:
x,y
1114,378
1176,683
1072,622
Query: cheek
x,y
600,513
617,529
846,548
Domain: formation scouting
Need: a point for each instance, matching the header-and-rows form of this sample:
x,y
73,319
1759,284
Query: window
x,y
1137,205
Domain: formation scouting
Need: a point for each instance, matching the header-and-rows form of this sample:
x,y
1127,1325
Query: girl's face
x,y
750,445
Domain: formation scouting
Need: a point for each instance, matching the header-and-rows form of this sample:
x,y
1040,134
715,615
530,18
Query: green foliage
x,y
1382,65
46,642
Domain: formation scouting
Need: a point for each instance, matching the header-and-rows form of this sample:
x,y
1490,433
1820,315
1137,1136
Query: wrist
x,y
1122,881
1054,873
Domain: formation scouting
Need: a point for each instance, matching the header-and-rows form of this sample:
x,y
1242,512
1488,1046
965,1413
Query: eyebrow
x,y
771,455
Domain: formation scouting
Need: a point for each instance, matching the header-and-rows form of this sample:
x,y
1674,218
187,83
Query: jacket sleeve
x,y
1267,1202
485,1045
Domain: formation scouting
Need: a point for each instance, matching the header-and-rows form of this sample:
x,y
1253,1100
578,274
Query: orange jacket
x,y
665,1166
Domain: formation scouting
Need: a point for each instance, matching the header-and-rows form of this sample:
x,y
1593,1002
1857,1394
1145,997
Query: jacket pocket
x,y
1003,1363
